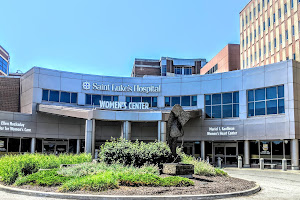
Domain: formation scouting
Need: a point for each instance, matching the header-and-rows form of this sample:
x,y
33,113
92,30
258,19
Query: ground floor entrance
x,y
228,152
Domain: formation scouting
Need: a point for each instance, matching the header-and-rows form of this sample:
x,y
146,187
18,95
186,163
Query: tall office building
x,y
4,62
269,32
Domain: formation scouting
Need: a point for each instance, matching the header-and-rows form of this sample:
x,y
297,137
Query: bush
x,y
43,178
100,182
201,167
134,153
136,180
96,168
13,166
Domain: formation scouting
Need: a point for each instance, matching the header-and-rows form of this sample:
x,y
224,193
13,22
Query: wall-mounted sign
x,y
222,131
13,126
121,88
116,105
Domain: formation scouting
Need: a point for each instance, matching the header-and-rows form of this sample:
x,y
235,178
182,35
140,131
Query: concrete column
x,y
33,145
89,136
162,131
246,154
202,150
126,130
295,154
78,146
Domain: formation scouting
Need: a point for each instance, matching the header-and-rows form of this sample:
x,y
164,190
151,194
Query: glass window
x,y
281,106
14,145
136,99
235,110
260,108
54,96
250,109
45,95
227,98
187,70
178,70
147,99
250,95
96,99
154,102
236,97
280,91
216,99
271,93
167,102
74,98
227,111
208,111
115,98
194,100
65,97
106,98
207,99
260,94
25,145
88,99
216,111
271,107
186,101
175,100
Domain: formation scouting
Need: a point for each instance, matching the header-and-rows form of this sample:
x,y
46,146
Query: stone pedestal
x,y
179,169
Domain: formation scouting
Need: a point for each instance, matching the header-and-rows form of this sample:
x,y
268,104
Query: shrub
x,y
201,167
99,182
13,166
96,168
43,178
134,153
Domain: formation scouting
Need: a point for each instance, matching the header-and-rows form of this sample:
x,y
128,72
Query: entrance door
x,y
227,152
55,147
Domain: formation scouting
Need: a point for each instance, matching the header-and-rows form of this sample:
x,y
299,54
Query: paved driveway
x,y
275,184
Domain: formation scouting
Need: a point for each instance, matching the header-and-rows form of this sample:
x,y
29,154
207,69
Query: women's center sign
x,y
14,127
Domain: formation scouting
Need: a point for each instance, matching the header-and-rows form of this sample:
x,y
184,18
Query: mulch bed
x,y
203,185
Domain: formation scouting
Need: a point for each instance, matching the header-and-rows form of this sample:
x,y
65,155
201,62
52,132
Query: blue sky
x,y
104,37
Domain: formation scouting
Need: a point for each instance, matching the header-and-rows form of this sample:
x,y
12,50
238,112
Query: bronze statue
x,y
177,119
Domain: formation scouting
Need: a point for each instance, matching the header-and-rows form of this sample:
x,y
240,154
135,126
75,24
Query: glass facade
x,y
151,100
183,70
181,100
93,99
222,105
3,65
59,96
266,101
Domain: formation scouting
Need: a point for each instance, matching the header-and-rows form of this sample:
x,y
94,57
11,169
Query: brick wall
x,y
10,94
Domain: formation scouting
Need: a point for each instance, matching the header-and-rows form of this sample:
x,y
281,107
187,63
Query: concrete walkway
x,y
275,184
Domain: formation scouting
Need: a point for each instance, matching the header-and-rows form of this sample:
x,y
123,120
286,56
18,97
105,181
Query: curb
x,y
115,197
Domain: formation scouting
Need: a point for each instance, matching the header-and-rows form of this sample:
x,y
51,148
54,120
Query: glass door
x,y
55,147
228,152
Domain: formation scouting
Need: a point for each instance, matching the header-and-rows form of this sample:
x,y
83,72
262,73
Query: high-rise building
x,y
269,32
4,62
167,66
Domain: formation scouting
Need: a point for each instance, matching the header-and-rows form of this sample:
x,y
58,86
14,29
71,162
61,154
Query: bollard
x,y
219,162
262,163
240,162
284,164
207,159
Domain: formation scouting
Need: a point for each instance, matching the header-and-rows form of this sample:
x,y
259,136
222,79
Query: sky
x,y
104,37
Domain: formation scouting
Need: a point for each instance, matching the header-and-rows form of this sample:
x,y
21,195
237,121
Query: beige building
x,y
269,32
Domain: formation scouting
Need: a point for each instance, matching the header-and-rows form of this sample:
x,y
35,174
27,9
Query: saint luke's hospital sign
x,y
121,88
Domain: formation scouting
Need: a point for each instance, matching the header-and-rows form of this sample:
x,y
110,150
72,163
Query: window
x,y
294,56
292,4
274,43
265,50
269,21
274,18
269,46
259,52
263,3
266,101
59,96
285,8
246,19
280,39
243,43
279,13
287,58
259,30
164,70
287,34
181,100
178,70
250,37
255,33
251,58
3,65
247,40
264,26
225,105
212,70
250,16
293,30
255,56
94,99
243,22
152,101
254,12
183,70
187,71
258,7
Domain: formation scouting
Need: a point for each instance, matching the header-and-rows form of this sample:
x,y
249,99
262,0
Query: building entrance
x,y
55,147
228,152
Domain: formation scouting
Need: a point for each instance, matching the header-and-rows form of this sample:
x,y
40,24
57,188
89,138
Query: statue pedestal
x,y
179,169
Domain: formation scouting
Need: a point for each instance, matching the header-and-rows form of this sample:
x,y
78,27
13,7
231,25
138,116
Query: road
x,y
275,184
